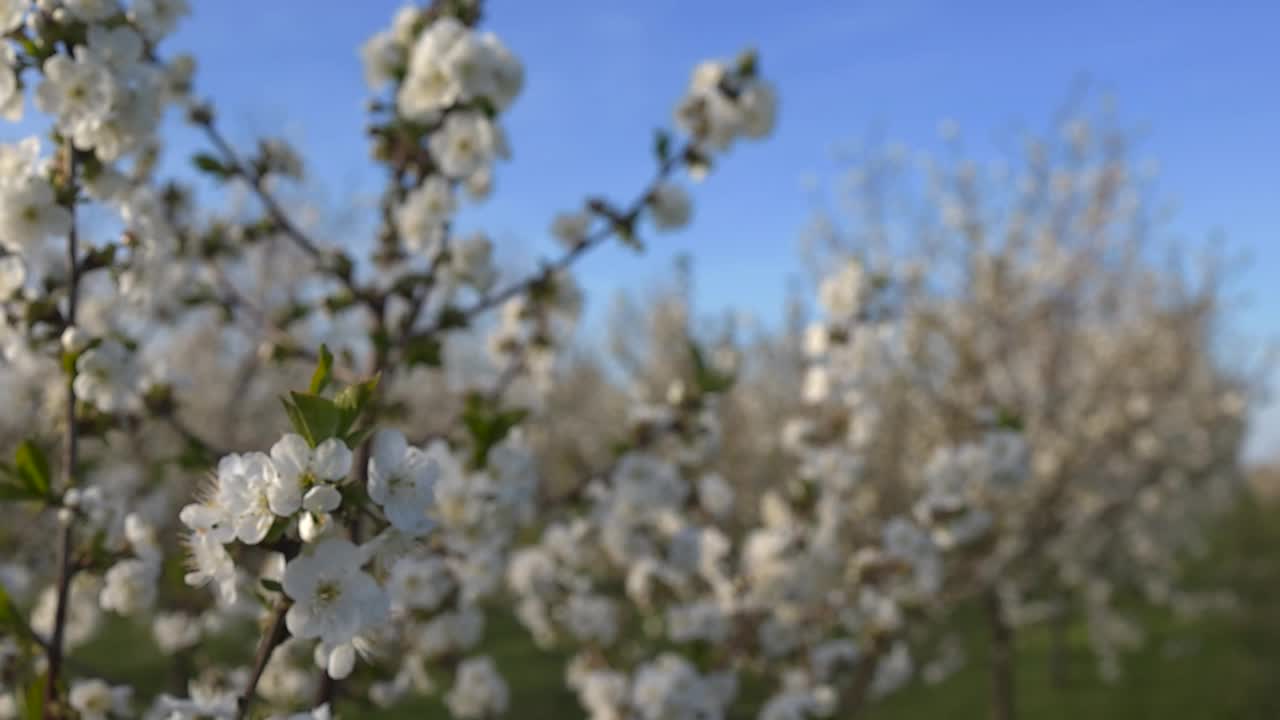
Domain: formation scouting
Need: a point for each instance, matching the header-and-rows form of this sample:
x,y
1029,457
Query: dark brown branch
x,y
275,633
70,457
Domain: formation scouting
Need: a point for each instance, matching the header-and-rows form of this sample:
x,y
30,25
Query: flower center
x,y
327,592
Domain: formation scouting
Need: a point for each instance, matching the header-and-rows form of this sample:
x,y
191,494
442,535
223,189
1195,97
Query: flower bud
x,y
75,340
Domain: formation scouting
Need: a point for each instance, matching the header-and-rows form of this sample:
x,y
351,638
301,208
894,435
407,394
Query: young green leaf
x,y
324,369
32,468
319,415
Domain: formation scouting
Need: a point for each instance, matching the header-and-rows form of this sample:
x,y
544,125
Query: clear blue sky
x,y
601,74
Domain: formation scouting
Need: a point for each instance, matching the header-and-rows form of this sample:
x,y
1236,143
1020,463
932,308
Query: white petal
x,y
199,517
284,495
253,528
331,460
291,455
312,527
389,448
342,660
322,499
299,622
411,520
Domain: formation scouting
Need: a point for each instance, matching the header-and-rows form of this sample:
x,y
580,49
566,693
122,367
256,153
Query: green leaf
x,y
210,164
69,362
352,403
12,492
324,368
319,415
488,426
298,422
9,617
33,699
32,468
271,585
356,438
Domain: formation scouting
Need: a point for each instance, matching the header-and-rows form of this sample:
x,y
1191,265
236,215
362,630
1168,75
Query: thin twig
x,y
70,457
275,634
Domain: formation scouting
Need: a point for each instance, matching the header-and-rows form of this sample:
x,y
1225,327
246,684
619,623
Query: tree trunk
x,y
1002,661
854,697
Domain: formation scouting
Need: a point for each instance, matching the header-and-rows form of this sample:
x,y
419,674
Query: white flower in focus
x,y
301,472
208,561
402,480
245,483
96,700
671,206
334,599
478,691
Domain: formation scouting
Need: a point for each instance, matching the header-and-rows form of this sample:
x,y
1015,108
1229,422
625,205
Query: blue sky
x,y
601,74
